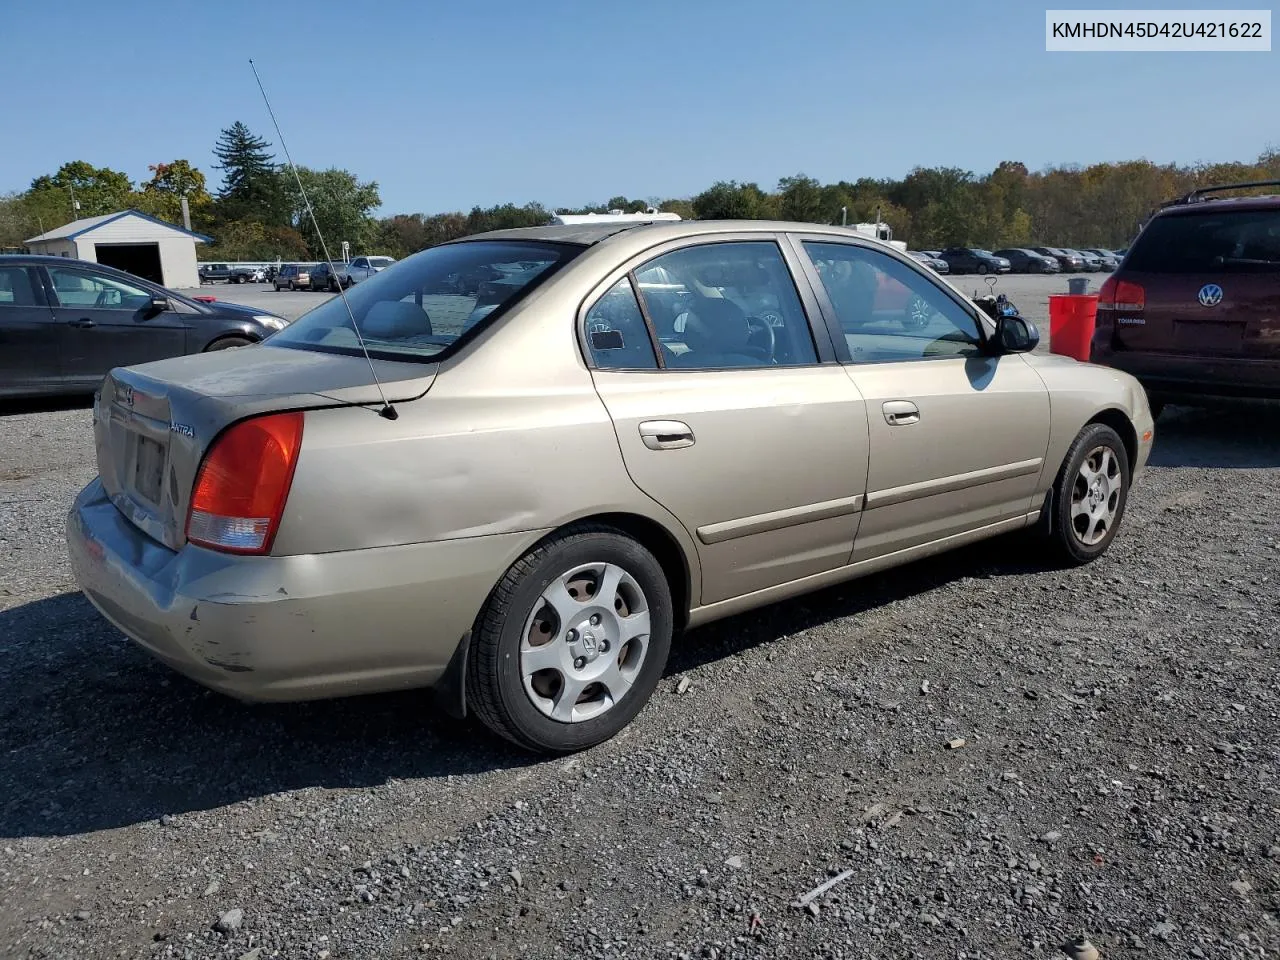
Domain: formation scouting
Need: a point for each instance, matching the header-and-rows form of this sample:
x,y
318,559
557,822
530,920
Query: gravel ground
x,y
1119,777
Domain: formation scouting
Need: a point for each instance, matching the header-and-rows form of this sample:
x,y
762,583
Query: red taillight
x,y
243,484
1122,295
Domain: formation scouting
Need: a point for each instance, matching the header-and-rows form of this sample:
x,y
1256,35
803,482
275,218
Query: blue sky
x,y
573,101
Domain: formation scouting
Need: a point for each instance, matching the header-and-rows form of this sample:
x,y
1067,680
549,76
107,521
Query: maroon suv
x,y
1194,308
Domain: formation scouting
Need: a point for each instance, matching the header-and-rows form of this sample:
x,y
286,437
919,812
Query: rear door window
x,y
1212,241
16,288
722,305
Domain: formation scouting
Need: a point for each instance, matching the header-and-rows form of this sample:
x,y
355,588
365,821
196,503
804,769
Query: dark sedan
x,y
1092,263
929,260
1068,262
1110,259
65,323
973,260
1028,261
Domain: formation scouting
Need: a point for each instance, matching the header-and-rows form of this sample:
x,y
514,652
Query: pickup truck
x,y
214,272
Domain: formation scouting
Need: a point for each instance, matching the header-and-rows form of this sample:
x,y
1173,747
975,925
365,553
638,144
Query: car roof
x,y
1219,205
647,234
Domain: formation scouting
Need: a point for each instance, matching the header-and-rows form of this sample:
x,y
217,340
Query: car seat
x,y
717,335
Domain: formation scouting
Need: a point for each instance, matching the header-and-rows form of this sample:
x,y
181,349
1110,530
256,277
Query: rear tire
x,y
981,268
547,610
1089,496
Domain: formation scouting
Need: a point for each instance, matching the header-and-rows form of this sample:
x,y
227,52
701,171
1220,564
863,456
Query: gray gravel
x,y
1119,779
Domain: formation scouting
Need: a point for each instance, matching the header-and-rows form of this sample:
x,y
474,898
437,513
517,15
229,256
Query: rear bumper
x,y
286,628
1174,377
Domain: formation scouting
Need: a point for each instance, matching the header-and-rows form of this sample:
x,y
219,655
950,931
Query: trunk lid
x,y
153,422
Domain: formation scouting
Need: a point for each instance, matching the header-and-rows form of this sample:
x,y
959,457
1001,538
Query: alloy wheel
x,y
585,642
1095,495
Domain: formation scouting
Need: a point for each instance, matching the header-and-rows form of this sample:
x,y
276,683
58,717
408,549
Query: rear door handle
x,y
666,434
82,322
899,413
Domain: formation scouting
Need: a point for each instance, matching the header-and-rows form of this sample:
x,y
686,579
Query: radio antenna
x,y
387,411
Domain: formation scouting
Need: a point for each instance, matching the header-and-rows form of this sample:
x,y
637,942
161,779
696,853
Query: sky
x,y
569,102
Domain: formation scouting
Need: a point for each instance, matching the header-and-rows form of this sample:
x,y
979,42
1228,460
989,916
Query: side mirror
x,y
1016,335
158,304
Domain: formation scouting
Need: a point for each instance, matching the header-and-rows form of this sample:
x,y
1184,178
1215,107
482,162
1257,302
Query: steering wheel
x,y
918,314
761,339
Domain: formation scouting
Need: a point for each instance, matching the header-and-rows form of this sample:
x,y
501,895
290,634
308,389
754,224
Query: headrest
x,y
395,319
716,325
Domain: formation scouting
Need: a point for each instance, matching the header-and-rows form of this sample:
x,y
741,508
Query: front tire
x,y
228,343
1090,495
572,641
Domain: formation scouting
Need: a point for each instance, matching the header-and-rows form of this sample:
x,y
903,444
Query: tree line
x,y
258,212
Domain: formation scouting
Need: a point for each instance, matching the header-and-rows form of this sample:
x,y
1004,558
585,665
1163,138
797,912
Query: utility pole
x,y
75,204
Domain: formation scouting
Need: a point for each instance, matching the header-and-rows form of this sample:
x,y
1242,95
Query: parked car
x,y
760,434
933,263
214,272
973,260
293,276
64,323
1109,259
321,277
241,274
1091,262
1067,262
1028,261
361,268
932,253
1192,311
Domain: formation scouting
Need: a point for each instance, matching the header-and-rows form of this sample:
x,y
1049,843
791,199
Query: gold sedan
x,y
514,467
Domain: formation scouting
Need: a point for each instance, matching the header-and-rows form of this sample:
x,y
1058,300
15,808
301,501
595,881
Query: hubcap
x,y
1095,496
585,642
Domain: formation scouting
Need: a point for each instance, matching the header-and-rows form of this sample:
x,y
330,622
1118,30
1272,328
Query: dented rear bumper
x,y
287,628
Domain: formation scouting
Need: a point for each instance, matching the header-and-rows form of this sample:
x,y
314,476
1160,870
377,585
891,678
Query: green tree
x,y
254,240
342,205
161,196
730,200
800,198
506,216
98,190
252,185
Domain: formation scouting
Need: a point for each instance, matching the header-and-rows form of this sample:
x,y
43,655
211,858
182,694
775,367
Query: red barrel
x,y
1071,321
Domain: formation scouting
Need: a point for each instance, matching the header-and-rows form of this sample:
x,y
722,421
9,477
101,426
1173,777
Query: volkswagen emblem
x,y
1210,295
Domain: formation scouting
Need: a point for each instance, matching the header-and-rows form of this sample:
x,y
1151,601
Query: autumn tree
x,y
161,196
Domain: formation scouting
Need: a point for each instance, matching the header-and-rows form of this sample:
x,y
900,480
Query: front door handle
x,y
899,413
84,322
666,434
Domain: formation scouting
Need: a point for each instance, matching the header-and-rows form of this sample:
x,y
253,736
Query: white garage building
x,y
128,240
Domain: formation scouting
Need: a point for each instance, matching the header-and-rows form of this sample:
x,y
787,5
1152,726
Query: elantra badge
x,y
1210,295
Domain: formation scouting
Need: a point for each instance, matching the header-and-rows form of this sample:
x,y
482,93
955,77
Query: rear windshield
x,y
420,306
1246,241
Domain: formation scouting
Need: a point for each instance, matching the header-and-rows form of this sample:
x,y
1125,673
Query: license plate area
x,y
1208,337
148,469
